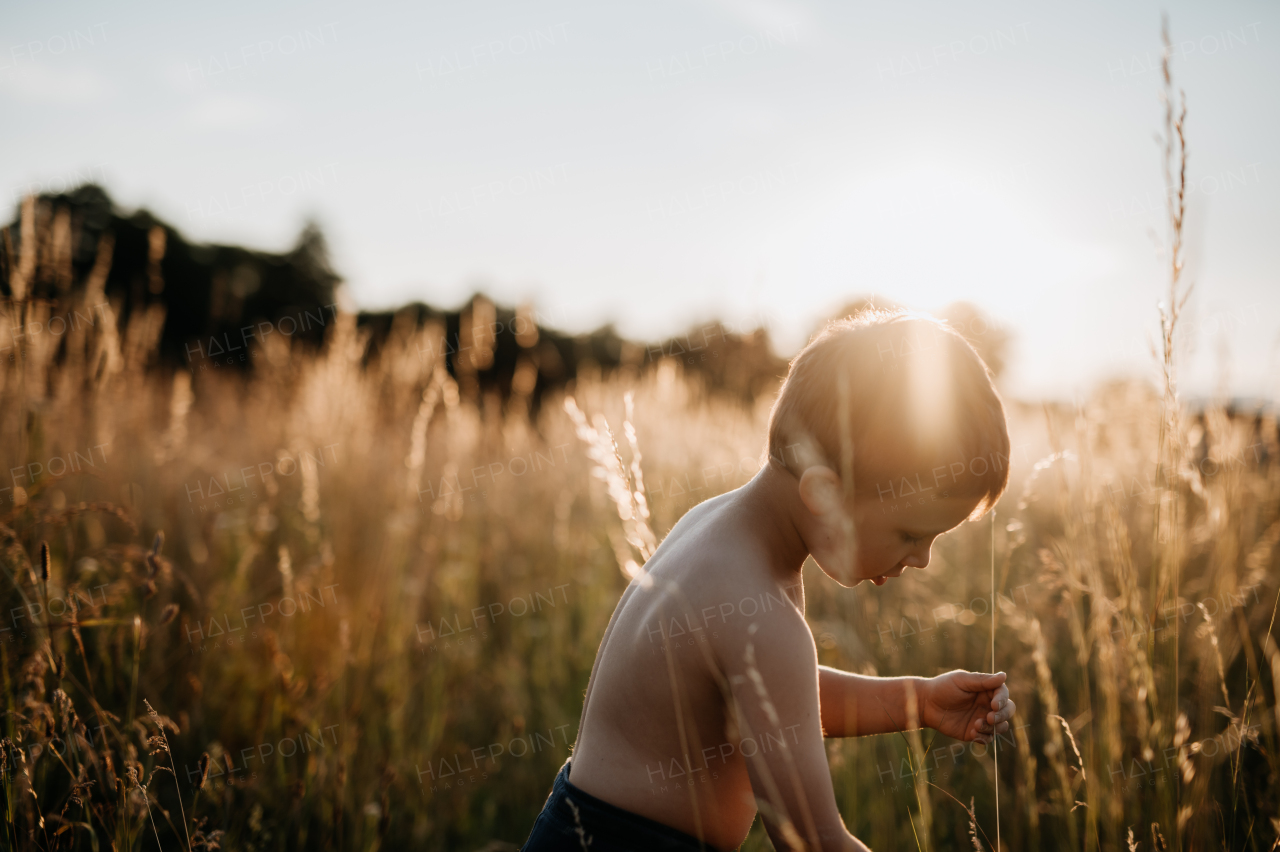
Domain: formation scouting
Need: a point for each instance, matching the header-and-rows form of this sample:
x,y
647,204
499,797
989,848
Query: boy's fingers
x,y
1003,713
986,731
977,682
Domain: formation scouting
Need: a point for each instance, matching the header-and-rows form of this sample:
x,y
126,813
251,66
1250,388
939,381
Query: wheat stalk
x,y
995,742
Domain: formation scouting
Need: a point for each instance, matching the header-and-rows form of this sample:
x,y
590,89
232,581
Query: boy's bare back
x,y
658,737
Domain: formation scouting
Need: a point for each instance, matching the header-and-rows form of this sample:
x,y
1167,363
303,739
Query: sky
x,y
662,164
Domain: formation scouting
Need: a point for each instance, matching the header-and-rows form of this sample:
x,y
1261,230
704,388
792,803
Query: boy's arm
x,y
857,705
774,679
964,705
591,680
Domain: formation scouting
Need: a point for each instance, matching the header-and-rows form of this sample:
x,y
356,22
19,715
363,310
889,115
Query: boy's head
x,y
890,421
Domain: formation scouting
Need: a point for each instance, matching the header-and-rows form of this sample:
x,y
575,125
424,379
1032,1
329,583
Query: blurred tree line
x,y
214,303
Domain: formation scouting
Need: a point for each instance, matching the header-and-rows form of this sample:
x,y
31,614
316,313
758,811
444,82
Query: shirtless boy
x,y
706,702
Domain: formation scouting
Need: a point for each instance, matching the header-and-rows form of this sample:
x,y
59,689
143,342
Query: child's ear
x,y
820,490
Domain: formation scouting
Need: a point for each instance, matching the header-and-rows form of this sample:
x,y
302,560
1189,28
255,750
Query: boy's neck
x,y
771,500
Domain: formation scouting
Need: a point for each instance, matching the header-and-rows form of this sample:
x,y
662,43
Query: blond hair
x,y
897,404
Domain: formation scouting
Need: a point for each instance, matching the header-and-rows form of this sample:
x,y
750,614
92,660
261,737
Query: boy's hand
x,y
967,705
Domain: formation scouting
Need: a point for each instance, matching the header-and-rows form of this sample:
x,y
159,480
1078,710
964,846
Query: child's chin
x,y
879,581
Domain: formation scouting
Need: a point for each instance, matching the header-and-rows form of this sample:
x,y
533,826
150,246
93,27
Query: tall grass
x,y
349,605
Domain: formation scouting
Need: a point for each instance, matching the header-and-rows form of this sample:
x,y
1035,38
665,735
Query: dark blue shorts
x,y
605,827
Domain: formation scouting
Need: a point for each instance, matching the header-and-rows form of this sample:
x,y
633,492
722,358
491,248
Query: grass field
x,y
388,600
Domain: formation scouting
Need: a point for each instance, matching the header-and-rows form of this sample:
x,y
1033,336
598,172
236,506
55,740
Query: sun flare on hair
x,y
930,411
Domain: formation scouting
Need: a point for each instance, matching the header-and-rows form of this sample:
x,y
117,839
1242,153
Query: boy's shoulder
x,y
718,579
